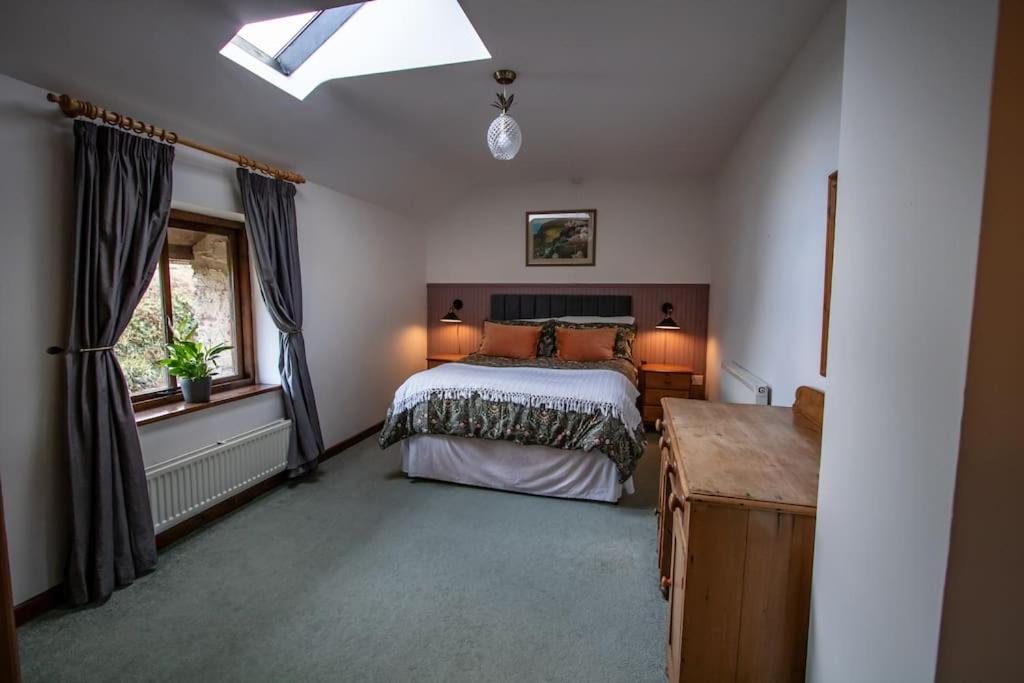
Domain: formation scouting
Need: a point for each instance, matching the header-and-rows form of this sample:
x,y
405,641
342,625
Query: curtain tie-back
x,y
56,350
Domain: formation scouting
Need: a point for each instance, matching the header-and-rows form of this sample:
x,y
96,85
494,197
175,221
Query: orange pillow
x,y
510,341
585,344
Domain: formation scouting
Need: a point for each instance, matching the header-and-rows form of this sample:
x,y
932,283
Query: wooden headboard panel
x,y
516,306
688,346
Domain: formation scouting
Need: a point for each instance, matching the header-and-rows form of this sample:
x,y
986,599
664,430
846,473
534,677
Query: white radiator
x,y
188,484
739,385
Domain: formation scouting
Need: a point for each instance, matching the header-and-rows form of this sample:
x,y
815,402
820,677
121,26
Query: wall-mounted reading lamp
x,y
667,323
451,316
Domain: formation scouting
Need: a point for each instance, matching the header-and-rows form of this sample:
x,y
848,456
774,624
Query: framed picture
x,y
830,242
561,238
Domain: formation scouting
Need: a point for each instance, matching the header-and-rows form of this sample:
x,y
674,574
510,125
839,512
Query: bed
x,y
543,426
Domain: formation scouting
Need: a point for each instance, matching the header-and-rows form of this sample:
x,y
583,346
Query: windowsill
x,y
166,412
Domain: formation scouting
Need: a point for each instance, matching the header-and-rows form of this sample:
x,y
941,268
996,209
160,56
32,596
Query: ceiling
x,y
607,88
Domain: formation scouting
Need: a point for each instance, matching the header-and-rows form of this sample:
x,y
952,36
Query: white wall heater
x,y
739,385
188,484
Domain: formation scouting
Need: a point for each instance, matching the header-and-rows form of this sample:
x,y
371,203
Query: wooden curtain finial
x,y
69,105
73,108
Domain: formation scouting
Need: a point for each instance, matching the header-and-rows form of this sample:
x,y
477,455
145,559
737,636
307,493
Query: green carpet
x,y
364,575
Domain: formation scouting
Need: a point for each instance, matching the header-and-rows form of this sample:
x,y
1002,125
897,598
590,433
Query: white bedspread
x,y
605,392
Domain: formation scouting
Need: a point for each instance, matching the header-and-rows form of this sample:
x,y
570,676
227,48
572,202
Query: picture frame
x,y
830,241
561,238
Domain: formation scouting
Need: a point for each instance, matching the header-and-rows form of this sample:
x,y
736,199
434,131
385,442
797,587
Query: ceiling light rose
x,y
503,135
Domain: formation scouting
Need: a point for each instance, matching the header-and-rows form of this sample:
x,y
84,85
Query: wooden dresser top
x,y
744,453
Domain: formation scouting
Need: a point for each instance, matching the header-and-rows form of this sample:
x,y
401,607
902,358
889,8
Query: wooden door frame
x,y
10,669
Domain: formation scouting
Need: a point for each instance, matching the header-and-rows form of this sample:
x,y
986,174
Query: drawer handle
x,y
670,468
657,425
664,441
674,503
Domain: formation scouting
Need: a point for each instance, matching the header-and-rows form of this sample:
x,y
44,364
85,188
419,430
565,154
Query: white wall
x,y
365,298
647,231
164,440
363,281
35,267
916,86
769,242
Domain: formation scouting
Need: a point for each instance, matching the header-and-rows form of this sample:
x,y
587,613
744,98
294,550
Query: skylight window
x,y
271,36
299,52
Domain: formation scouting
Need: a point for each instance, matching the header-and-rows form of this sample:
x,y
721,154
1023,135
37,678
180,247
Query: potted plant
x,y
192,363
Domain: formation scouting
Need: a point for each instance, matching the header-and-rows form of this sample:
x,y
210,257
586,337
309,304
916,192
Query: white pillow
x,y
620,319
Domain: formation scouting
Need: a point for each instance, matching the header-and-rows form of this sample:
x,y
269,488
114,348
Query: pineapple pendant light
x,y
503,135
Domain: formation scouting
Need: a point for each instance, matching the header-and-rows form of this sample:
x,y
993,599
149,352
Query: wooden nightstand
x,y
436,359
658,381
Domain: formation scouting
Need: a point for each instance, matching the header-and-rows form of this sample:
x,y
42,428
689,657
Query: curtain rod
x,y
73,108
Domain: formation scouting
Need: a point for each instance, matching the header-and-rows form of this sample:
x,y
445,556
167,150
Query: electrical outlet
x,y
698,380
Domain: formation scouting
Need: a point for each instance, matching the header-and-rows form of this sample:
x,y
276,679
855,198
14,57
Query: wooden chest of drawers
x,y
735,538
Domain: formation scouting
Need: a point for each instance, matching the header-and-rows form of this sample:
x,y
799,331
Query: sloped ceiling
x,y
607,88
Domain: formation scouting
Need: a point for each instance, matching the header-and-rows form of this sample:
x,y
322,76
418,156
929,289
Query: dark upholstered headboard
x,y
515,306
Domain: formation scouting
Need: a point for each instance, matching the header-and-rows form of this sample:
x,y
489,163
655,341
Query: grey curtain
x,y
269,207
122,202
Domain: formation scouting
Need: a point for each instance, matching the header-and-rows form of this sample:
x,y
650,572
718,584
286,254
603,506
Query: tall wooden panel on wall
x,y
981,610
688,346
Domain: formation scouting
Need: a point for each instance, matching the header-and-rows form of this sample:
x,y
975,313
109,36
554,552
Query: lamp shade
x,y
451,316
504,137
667,323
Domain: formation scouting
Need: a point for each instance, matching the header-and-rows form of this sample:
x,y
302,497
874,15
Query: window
x,y
203,279
299,52
285,44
